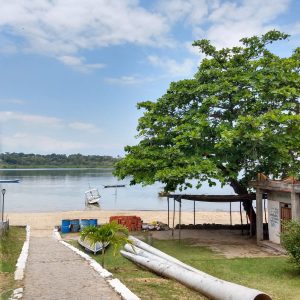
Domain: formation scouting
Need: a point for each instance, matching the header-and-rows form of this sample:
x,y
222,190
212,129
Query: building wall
x,y
280,196
274,221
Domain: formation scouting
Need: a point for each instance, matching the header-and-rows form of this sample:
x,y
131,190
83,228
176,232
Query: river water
x,y
42,190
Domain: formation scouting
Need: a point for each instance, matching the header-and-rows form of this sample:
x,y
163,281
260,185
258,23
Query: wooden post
x,y
168,212
265,211
230,213
250,222
194,212
259,216
241,215
173,218
179,220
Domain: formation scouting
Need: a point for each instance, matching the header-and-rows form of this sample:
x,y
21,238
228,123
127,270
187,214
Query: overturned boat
x,y
88,246
92,196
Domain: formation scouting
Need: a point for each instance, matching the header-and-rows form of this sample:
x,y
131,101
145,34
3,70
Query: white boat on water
x,y
89,247
92,196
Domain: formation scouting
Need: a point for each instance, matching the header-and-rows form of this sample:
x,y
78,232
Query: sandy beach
x,y
47,220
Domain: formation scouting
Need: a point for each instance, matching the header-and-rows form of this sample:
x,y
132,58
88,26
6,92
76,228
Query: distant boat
x,y
114,186
92,196
9,180
92,248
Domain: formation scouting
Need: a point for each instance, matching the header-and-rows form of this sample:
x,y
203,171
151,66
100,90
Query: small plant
x,y
290,239
112,233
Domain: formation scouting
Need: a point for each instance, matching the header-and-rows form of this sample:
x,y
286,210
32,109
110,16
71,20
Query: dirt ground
x,y
229,243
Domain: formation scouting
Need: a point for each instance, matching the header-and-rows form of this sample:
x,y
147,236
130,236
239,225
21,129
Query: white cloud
x,y
79,63
64,27
81,126
262,11
231,21
129,80
193,50
12,101
191,11
35,143
47,122
6,116
293,29
42,134
224,22
186,68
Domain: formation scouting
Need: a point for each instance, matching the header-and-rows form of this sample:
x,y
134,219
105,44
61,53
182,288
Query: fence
x,y
4,226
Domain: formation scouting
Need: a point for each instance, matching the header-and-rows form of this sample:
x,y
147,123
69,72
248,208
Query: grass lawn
x,y
10,249
272,275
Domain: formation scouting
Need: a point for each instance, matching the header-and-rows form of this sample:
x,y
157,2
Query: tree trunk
x,y
240,189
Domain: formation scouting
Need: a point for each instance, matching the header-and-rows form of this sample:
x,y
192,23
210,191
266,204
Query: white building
x,y
283,204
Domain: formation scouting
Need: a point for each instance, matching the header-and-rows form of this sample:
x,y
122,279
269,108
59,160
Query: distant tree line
x,y
22,160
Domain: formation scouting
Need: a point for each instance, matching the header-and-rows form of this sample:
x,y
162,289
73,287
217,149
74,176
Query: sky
x,y
72,72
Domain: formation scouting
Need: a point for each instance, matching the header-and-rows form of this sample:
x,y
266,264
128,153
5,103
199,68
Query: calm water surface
x,y
63,189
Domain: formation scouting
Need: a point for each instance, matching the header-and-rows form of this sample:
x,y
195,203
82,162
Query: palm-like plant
x,y
112,233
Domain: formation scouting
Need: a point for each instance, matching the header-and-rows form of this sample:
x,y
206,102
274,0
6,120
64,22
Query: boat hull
x,y
92,196
97,247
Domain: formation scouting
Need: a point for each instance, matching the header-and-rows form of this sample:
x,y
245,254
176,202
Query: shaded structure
x,y
205,198
283,204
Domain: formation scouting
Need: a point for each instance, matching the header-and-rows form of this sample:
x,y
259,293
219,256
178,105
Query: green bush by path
x,y
291,240
10,249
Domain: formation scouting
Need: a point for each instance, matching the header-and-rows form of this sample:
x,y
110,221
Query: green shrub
x,y
290,240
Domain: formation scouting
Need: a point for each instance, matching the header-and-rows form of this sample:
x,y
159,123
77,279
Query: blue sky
x,y
71,72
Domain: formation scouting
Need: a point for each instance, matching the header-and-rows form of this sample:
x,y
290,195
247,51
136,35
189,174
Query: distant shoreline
x,y
49,168
42,161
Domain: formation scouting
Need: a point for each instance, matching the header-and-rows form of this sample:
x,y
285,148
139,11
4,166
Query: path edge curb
x,y
21,263
116,284
20,266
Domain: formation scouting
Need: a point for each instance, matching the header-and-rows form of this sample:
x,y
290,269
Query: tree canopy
x,y
238,116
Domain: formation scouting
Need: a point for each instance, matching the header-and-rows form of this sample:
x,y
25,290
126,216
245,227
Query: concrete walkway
x,y
55,272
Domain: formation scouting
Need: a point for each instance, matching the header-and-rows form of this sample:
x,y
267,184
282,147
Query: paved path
x,y
55,272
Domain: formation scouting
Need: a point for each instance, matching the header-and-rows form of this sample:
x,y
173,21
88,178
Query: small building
x,y
283,204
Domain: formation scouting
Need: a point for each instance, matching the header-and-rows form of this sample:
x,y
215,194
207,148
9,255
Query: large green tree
x,y
238,116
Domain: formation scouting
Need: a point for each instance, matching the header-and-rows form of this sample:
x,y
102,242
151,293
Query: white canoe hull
x,y
92,248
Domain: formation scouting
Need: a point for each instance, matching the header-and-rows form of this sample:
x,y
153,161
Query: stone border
x,y
115,283
21,263
17,294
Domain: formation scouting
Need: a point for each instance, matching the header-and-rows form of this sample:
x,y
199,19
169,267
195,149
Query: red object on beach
x,y
133,223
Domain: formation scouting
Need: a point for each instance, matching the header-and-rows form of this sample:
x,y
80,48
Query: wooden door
x,y
285,215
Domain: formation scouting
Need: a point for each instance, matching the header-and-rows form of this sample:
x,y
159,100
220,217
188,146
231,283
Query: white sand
x,y
48,220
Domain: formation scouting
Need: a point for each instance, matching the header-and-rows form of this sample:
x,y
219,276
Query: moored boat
x,y
9,180
114,186
92,196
